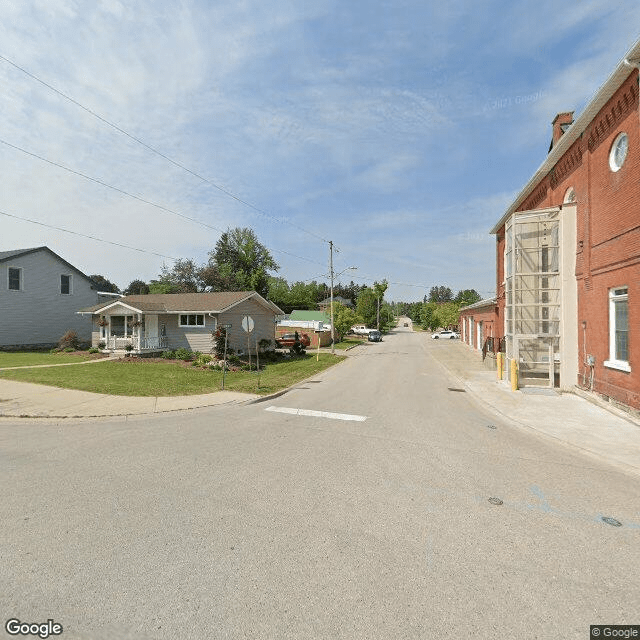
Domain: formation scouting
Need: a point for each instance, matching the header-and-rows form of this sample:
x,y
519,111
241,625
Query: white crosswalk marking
x,y
317,414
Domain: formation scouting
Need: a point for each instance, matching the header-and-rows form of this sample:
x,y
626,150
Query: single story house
x,y
40,293
151,323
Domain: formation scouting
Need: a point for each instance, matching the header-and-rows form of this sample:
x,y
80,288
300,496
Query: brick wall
x,y
607,240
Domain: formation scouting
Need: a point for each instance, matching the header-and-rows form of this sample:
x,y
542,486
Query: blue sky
x,y
400,130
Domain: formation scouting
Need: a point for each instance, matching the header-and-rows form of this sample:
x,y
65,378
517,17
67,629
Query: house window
x,y
618,329
192,320
65,284
15,278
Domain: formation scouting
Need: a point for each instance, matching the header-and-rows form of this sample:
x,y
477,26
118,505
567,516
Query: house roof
x,y
184,302
15,253
602,96
487,302
309,315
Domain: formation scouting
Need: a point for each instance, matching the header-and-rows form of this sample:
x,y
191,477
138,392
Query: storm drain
x,y
454,389
612,521
496,501
491,426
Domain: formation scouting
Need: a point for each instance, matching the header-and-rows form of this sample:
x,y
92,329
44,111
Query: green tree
x,y
102,284
343,319
183,277
440,294
379,288
239,262
136,288
447,314
427,315
467,296
367,306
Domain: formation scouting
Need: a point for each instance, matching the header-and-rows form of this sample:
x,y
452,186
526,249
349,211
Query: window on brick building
x,y
618,329
618,153
570,195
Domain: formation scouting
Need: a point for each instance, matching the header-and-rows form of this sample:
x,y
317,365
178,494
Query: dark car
x,y
289,339
374,336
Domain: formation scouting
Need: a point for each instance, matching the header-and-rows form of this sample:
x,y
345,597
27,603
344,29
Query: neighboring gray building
x,y
40,293
153,322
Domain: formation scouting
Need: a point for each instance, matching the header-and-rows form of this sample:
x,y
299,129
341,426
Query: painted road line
x,y
317,414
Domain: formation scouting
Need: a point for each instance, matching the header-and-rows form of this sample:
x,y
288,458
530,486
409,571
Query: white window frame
x,y
616,295
615,164
21,284
70,276
188,316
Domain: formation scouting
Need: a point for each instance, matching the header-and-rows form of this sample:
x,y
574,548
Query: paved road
x,y
250,522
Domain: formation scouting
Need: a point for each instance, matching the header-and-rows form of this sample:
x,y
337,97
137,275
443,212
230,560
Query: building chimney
x,y
560,124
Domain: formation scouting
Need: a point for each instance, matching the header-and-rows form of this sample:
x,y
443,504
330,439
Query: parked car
x,y
287,340
445,335
374,336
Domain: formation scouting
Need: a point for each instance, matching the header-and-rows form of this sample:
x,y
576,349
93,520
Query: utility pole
x,y
333,331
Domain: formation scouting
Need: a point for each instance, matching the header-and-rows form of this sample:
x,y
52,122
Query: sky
x,y
399,130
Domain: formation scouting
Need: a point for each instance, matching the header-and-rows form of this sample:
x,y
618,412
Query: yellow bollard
x,y
514,375
499,364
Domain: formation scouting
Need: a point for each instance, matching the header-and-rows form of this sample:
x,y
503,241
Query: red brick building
x,y
568,251
477,325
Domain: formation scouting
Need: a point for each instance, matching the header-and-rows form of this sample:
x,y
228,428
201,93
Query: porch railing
x,y
118,343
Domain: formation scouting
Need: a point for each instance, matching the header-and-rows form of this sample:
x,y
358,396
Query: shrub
x,y
264,344
68,349
202,359
185,354
102,344
69,339
168,355
94,350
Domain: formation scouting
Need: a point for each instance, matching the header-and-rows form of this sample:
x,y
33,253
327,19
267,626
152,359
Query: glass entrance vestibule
x,y
536,270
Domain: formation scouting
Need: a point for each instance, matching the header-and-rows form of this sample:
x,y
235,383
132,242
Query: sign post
x,y
224,362
247,326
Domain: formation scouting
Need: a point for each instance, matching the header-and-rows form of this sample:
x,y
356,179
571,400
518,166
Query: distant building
x,y
325,305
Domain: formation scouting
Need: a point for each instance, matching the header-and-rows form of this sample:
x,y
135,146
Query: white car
x,y
445,335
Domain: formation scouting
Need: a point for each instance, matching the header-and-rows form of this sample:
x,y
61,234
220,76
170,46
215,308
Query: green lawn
x,y
26,358
347,342
139,378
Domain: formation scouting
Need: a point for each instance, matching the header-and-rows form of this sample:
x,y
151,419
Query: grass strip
x,y
30,358
138,378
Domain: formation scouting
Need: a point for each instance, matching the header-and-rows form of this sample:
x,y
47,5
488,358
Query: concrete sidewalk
x,y
567,417
23,399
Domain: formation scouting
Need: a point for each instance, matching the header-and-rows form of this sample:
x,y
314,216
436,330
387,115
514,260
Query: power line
x,y
84,235
134,196
157,152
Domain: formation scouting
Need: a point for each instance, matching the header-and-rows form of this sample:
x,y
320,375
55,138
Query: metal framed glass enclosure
x,y
533,296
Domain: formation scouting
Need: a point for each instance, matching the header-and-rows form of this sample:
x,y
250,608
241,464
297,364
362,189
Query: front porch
x,y
135,334
135,343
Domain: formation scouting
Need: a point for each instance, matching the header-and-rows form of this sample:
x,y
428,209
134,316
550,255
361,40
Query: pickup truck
x,y
361,330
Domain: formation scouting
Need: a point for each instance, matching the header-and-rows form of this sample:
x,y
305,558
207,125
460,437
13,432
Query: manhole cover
x,y
612,521
454,389
491,426
496,501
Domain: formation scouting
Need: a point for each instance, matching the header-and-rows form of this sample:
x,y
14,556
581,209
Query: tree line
x,y
439,309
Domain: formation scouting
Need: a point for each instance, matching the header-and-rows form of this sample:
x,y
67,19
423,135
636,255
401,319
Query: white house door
x,y
151,330
479,330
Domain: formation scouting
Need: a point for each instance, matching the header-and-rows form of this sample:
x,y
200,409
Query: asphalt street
x,y
375,500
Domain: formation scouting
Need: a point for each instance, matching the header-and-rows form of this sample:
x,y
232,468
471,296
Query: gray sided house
x,y
39,296
151,323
